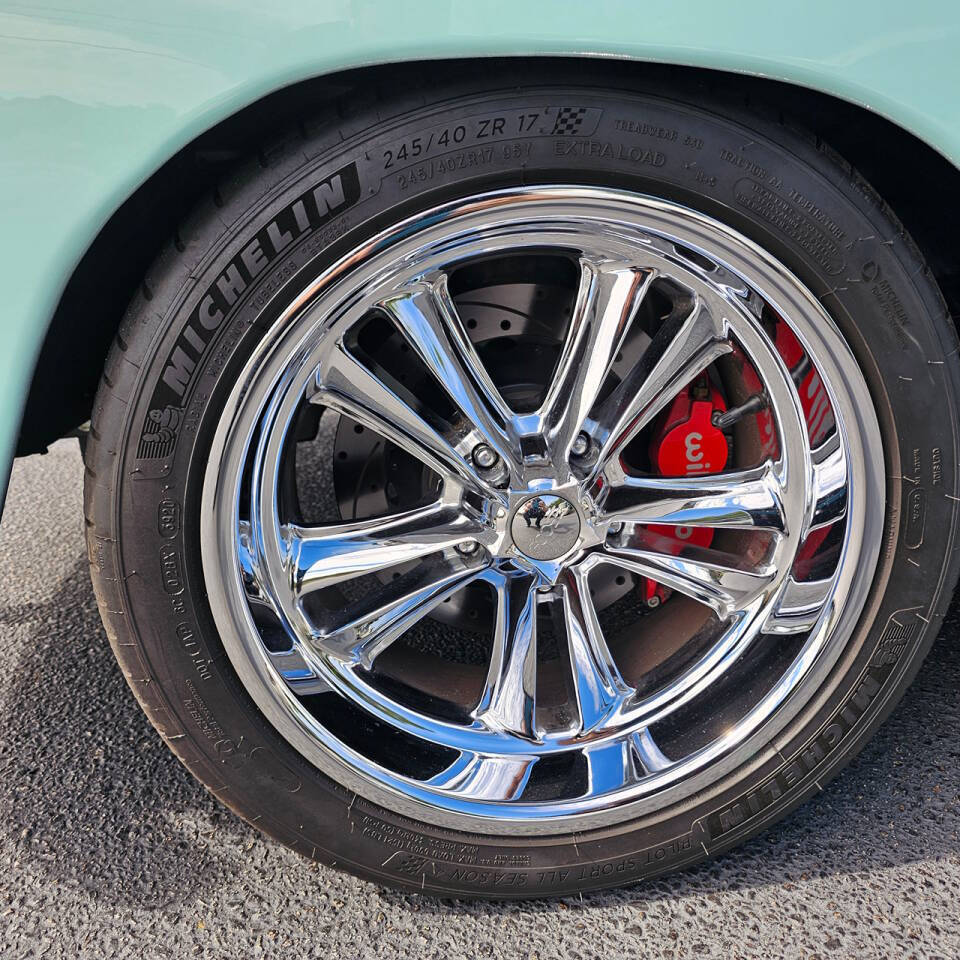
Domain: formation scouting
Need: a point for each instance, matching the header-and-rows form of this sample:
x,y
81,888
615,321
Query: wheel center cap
x,y
545,526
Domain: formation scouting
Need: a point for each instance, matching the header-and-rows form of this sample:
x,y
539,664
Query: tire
x,y
149,449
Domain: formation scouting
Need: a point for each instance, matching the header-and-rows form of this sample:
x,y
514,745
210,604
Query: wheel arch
x,y
74,349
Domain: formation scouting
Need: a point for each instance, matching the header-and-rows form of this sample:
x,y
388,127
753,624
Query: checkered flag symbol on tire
x,y
569,120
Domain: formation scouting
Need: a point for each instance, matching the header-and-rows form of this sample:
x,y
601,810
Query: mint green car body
x,y
95,95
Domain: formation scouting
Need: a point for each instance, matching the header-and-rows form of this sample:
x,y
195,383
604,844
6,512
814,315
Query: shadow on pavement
x,y
88,791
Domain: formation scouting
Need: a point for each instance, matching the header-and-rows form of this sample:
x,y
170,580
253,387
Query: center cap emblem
x,y
545,527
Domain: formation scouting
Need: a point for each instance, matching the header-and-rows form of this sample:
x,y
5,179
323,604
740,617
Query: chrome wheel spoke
x,y
346,386
362,630
508,701
647,752
799,606
725,589
427,317
829,488
598,688
614,764
746,500
607,299
610,766
325,556
680,351
297,671
485,777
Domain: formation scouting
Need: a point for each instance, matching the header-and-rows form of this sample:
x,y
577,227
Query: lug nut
x,y
467,548
580,445
484,457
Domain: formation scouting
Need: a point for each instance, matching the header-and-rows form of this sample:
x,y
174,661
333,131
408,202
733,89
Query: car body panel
x,y
95,95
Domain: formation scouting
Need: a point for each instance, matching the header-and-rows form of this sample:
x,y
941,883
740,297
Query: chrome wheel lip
x,y
853,407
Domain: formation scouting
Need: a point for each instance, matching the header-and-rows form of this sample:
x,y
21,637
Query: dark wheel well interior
x,y
902,169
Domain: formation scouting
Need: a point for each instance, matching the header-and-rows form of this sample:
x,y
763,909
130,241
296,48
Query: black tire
x,y
746,167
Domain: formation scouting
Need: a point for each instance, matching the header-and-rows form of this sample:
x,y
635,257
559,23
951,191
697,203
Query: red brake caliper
x,y
686,443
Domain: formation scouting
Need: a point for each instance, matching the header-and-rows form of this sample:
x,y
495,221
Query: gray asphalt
x,y
108,848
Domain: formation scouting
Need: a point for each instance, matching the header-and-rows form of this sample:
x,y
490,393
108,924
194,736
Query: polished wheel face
x,y
512,617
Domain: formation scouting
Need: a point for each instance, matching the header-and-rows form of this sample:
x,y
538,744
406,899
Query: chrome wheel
x,y
531,501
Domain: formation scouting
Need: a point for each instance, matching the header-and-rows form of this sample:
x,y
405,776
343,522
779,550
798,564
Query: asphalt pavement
x,y
109,848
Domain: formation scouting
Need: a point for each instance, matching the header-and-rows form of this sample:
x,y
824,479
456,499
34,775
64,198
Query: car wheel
x,y
526,490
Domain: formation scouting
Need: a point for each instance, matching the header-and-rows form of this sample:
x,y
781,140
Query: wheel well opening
x,y
898,165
